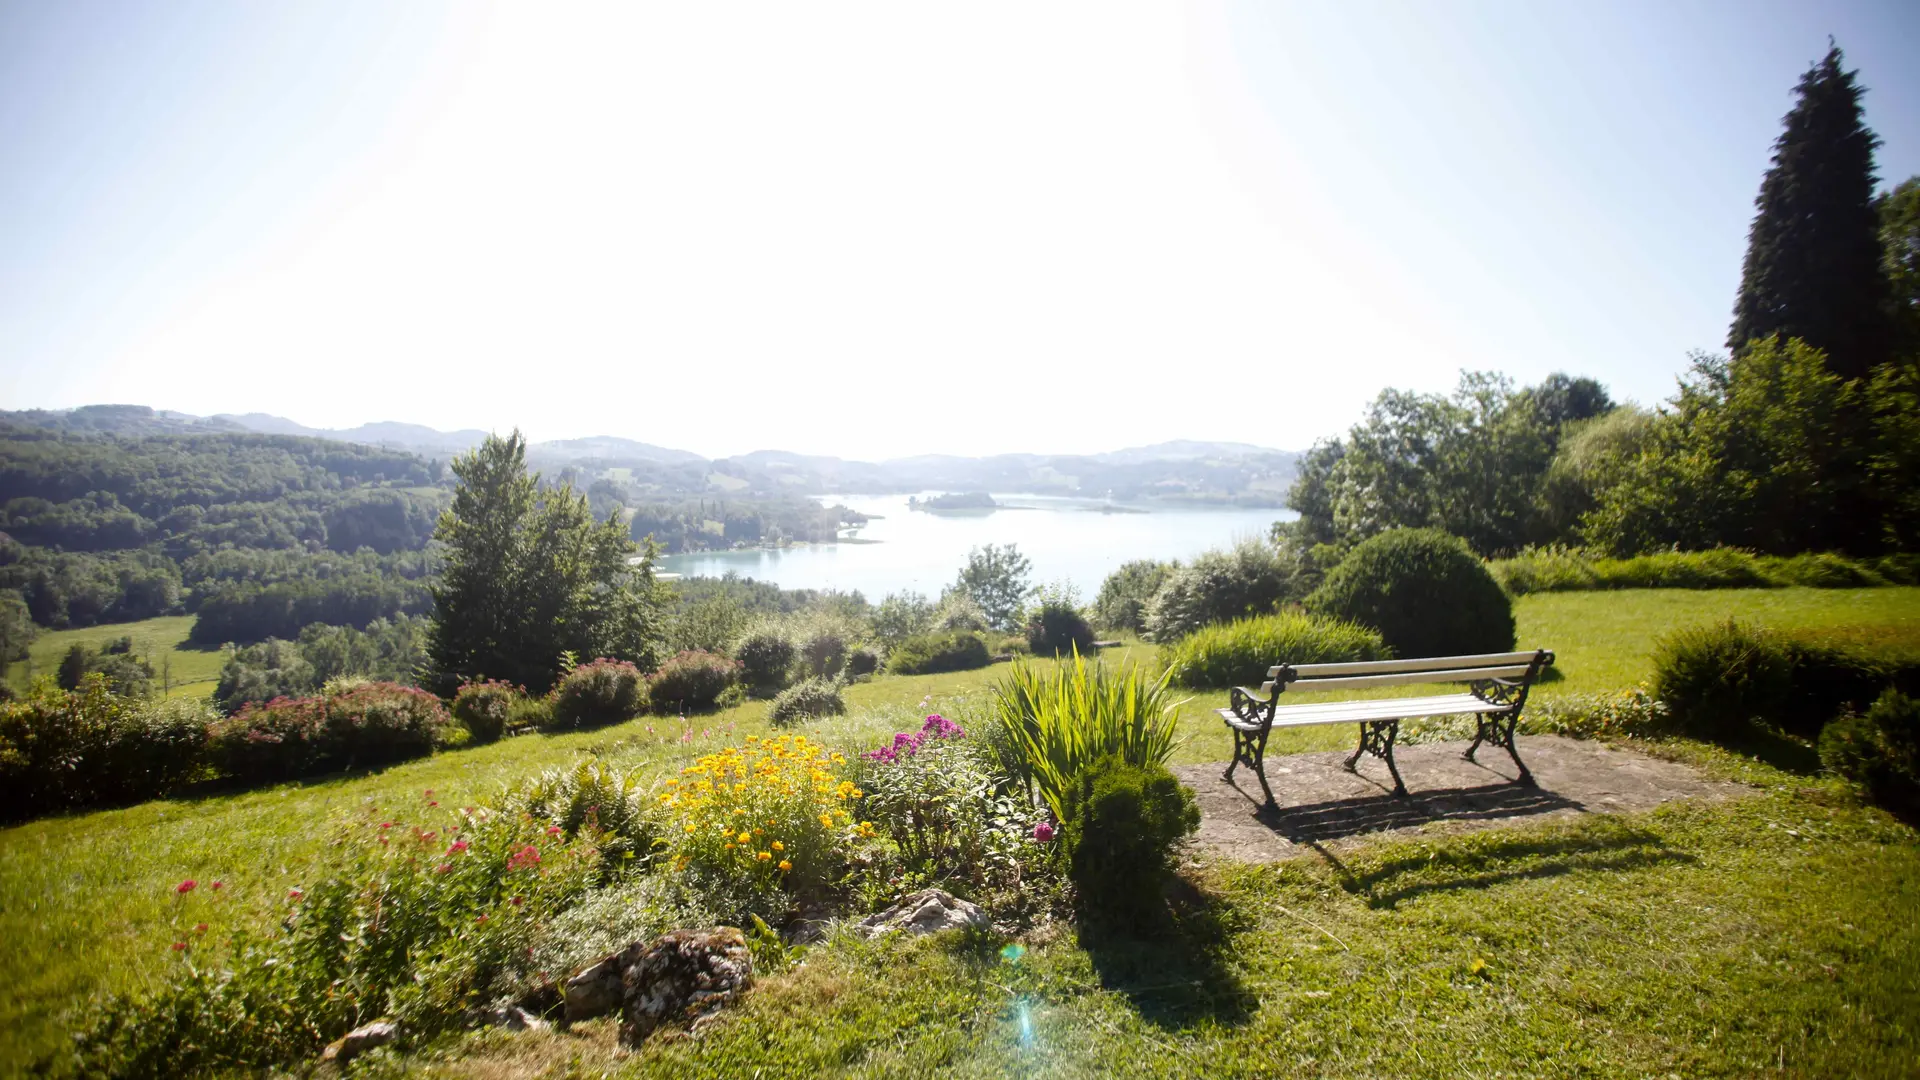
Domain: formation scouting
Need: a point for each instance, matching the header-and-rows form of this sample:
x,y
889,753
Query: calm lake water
x,y
1066,540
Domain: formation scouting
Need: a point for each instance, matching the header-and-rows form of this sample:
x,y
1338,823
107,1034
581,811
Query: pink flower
x,y
425,836
429,793
294,894
386,824
185,887
433,804
216,886
179,946
553,830
443,868
516,901
525,857
458,847
481,919
1043,832
199,928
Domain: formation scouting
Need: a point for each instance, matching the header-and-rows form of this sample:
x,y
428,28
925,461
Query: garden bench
x,y
1497,685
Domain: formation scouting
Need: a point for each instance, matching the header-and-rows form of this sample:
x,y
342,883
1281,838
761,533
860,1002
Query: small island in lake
x,y
972,500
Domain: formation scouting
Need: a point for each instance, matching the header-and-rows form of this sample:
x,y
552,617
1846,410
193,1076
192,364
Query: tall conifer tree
x,y
1813,267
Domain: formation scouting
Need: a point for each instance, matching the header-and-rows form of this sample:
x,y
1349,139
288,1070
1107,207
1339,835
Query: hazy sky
x,y
885,229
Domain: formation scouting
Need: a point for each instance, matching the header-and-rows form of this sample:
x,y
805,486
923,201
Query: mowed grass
x,y
1586,950
162,642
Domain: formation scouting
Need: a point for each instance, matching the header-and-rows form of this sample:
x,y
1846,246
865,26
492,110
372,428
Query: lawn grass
x,y
162,642
1600,944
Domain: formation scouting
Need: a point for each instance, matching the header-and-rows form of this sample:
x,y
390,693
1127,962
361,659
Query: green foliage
x,y
1424,591
711,624
1593,454
900,616
1719,678
1563,569
485,708
1055,627
995,578
824,652
766,660
62,749
385,651
692,681
1122,822
807,700
529,576
1125,594
1899,212
957,611
367,725
863,662
1813,266
1055,720
1252,578
611,806
930,654
597,694
127,675
1879,752
1240,652
17,630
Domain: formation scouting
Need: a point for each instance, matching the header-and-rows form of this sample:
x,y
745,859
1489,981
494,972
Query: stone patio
x,y
1320,803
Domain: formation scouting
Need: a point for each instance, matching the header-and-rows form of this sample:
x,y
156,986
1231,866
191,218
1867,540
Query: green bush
x,y
1126,593
1055,720
930,654
1879,752
1239,653
766,661
1251,579
485,708
287,738
597,694
1562,569
806,700
1122,823
824,653
1056,628
610,804
862,662
1717,679
61,749
693,681
1425,591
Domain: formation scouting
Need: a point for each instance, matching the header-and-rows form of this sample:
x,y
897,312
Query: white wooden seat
x,y
1497,690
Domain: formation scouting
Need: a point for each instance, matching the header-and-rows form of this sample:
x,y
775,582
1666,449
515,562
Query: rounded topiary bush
x,y
594,695
1424,590
1240,652
929,654
1057,628
485,708
806,700
766,660
862,662
824,653
693,681
1879,752
1122,824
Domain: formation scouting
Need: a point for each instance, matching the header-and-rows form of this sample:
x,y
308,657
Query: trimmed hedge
x,y
930,654
766,661
485,708
1239,653
807,700
1424,590
1879,752
1122,822
1559,569
1718,679
1057,628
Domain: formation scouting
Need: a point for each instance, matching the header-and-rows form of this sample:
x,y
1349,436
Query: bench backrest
x,y
1369,673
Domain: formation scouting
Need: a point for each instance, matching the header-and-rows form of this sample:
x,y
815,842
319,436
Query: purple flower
x,y
1043,832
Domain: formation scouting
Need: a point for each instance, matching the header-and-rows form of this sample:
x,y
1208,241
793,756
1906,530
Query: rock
x,y
594,992
360,1040
928,911
684,977
513,1018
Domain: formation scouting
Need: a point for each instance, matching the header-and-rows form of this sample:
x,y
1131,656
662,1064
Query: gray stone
x,y
684,977
596,991
360,1040
514,1018
928,911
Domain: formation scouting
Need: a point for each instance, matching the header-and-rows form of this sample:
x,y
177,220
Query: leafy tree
x,y
900,616
73,666
1125,594
16,627
529,576
996,578
1900,259
1813,267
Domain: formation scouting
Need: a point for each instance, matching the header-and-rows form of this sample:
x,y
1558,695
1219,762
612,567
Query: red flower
x,y
386,824
482,918
429,793
525,857
458,847
443,868
199,928
553,830
185,887
179,946
216,886
433,803
516,901
294,894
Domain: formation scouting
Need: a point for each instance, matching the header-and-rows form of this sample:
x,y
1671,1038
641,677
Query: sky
x,y
879,229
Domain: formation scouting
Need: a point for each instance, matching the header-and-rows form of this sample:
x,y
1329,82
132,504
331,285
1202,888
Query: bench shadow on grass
x,y
1595,844
1179,972
1336,819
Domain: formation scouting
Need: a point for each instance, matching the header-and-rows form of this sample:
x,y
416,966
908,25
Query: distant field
x,y
188,669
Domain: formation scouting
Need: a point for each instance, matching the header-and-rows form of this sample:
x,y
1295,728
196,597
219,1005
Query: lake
x,y
1067,540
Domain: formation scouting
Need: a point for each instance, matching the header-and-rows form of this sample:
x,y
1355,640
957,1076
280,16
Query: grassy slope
x,y
86,902
162,641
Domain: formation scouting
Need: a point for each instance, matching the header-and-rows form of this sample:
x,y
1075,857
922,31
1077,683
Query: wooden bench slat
x,y
1361,682
1381,667
1355,712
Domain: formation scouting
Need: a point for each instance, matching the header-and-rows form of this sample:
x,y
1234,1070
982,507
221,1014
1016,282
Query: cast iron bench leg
x,y
1376,738
1499,730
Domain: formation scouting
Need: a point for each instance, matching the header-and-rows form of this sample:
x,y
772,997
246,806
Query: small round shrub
x,y
1014,645
1879,752
1240,652
285,738
1425,591
693,681
824,653
1717,679
766,661
808,700
485,708
1057,628
862,662
1252,578
597,694
930,654
1122,824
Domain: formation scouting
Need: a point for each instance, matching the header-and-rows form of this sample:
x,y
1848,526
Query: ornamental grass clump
x,y
764,821
1057,720
1240,653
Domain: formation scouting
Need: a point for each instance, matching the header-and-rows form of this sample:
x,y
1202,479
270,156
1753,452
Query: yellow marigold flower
x,y
778,846
785,866
689,826
826,821
764,856
759,832
743,838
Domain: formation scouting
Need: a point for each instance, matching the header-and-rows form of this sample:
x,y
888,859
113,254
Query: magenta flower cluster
x,y
907,743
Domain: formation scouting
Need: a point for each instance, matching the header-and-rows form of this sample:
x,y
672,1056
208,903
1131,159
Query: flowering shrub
x,y
484,708
907,743
693,680
596,694
604,801
61,748
410,921
772,816
290,737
